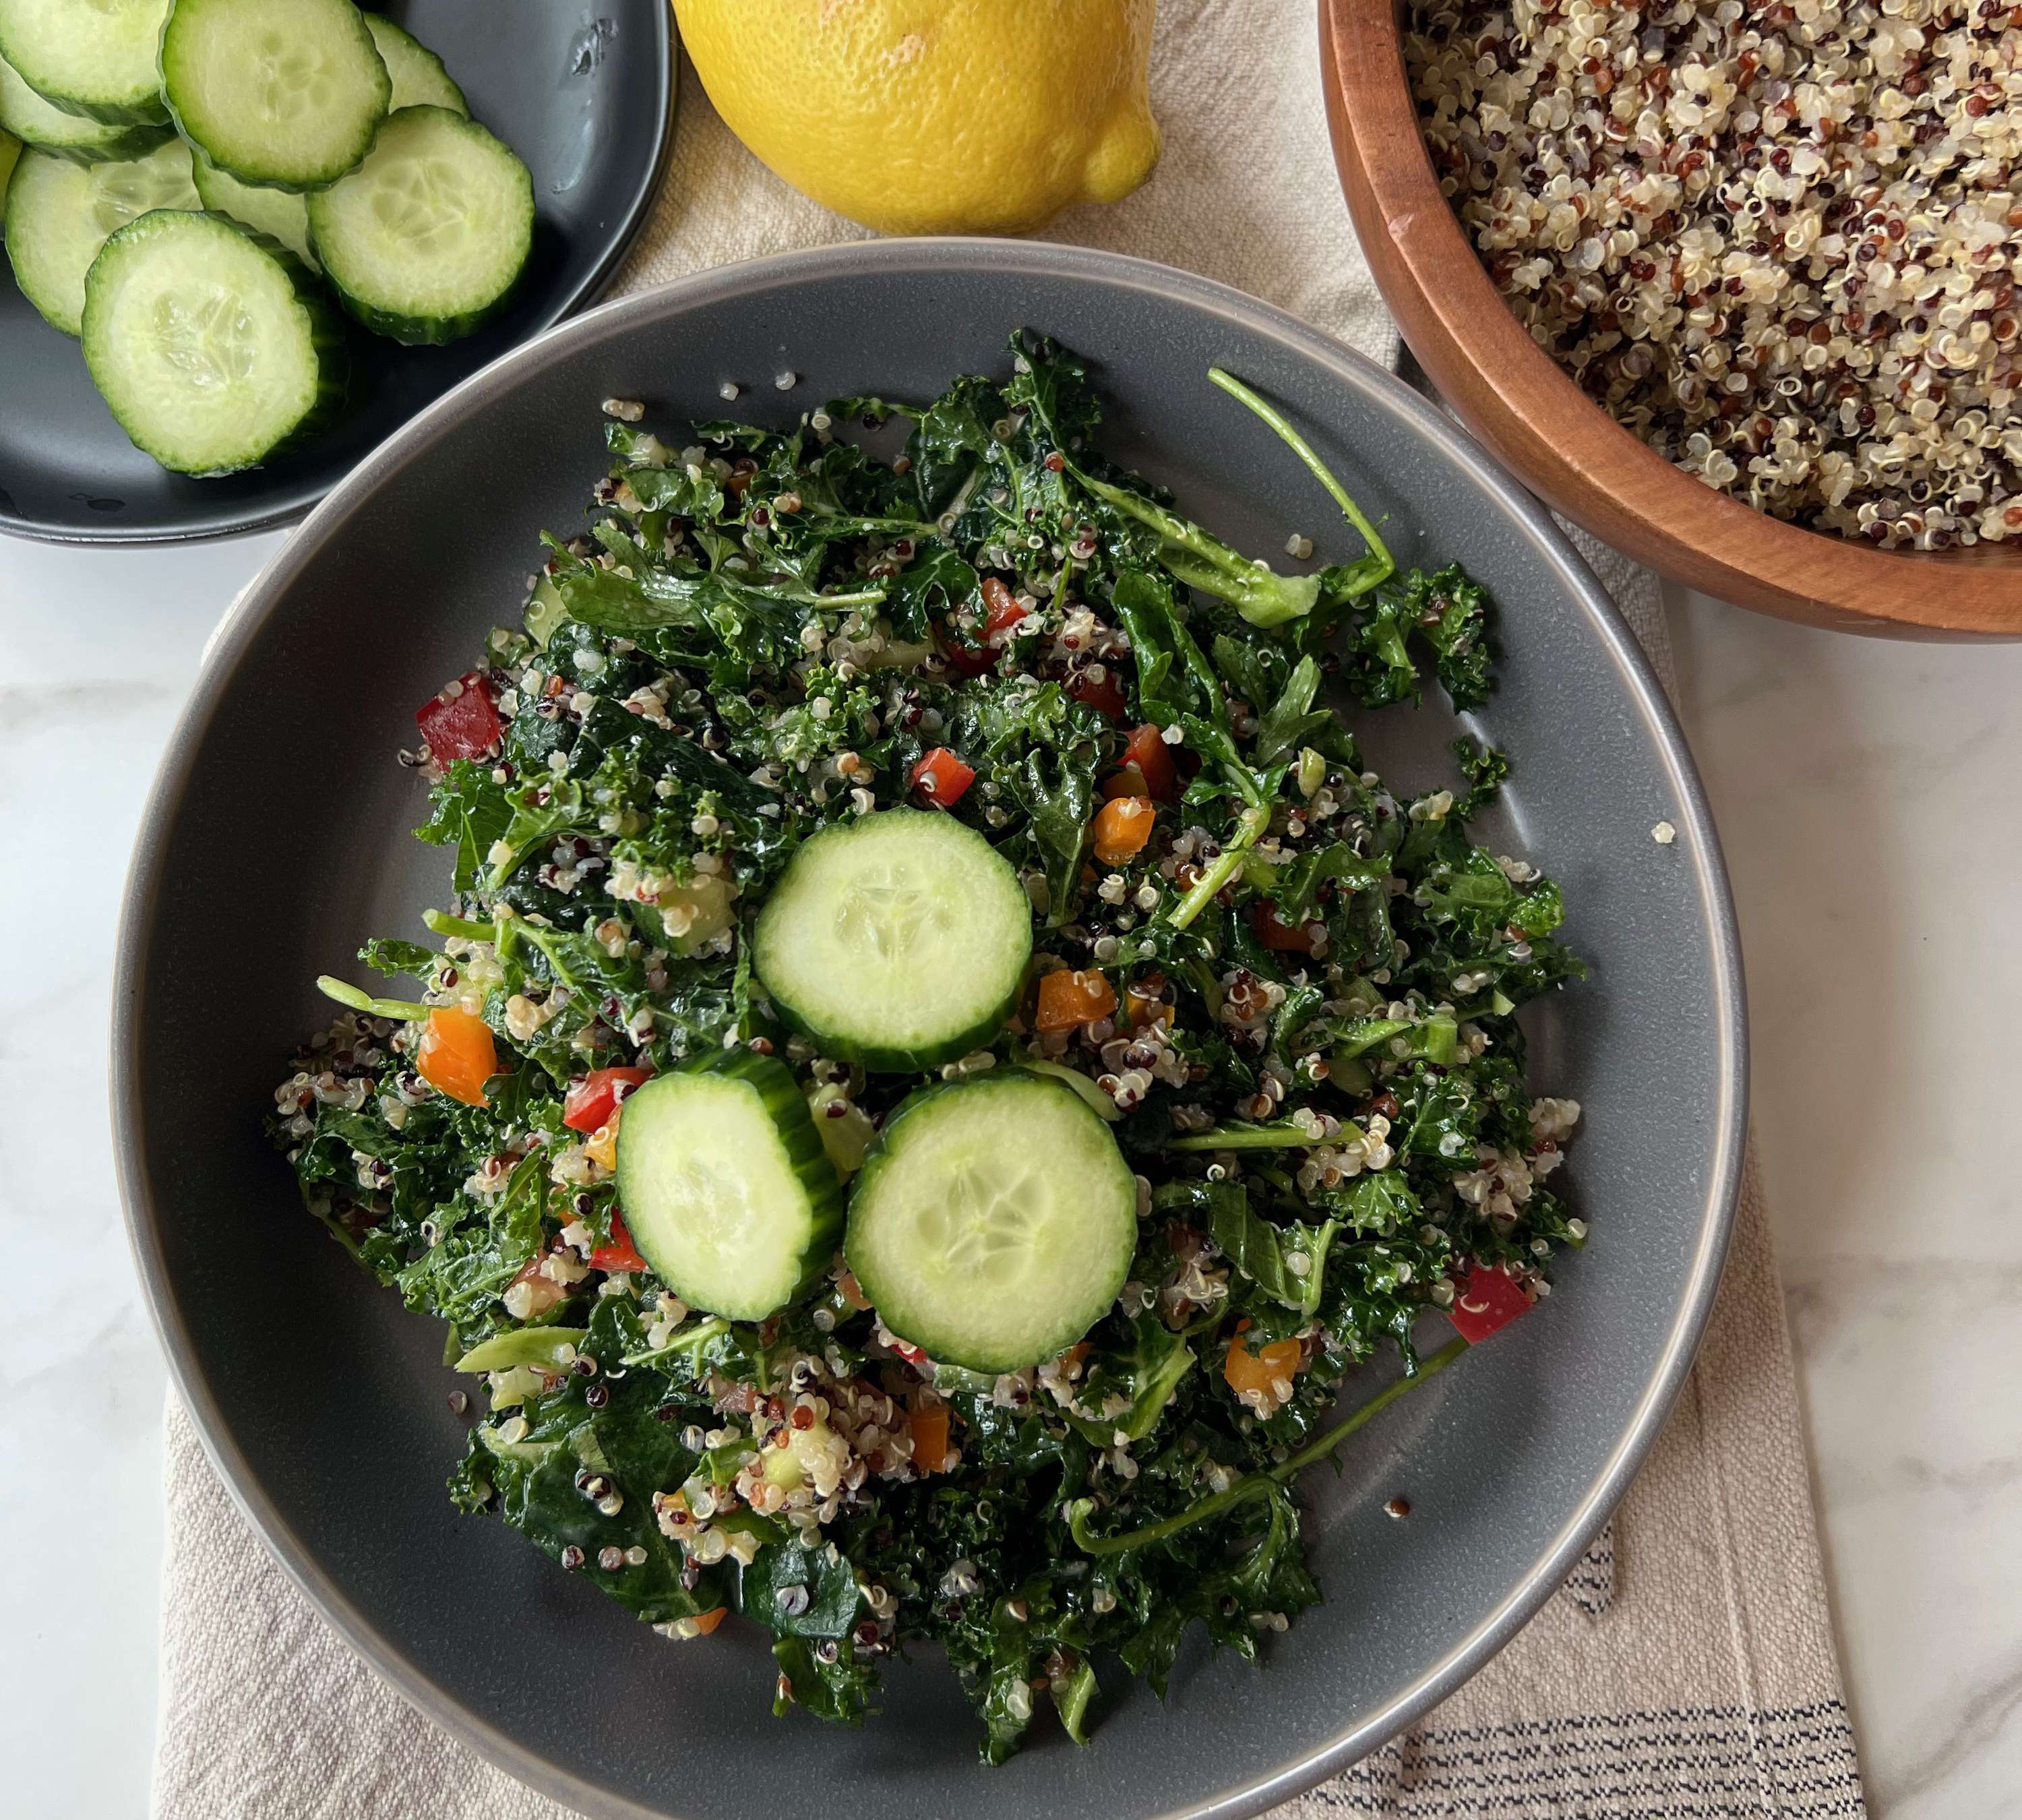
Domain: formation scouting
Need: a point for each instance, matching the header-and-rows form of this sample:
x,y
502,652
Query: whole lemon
x,y
935,116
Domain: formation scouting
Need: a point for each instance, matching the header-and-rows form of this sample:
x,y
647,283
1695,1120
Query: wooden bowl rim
x,y
1563,444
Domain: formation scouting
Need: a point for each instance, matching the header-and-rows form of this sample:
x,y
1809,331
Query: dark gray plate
x,y
277,840
583,89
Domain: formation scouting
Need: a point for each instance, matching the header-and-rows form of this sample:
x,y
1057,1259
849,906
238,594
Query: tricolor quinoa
x,y
1291,991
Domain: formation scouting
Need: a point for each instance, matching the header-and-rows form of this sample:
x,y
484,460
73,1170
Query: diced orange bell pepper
x,y
602,1147
930,1429
1248,1371
941,777
1123,825
1147,750
1143,1008
1128,782
1276,933
457,1055
1003,607
1068,999
709,1619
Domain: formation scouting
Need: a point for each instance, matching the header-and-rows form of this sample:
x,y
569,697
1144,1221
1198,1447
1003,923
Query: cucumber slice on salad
x,y
899,940
428,236
213,349
30,119
287,93
94,58
419,79
727,1191
59,213
994,1222
278,213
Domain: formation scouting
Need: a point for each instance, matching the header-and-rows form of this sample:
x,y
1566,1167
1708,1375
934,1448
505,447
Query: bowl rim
x,y
1531,413
246,619
632,217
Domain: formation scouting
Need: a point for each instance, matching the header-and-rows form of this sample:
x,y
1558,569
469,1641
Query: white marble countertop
x,y
1869,798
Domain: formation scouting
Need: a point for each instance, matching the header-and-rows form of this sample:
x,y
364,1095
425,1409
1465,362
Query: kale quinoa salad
x,y
937,1059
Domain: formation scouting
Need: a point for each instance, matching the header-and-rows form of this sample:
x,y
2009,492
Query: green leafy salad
x,y
937,1059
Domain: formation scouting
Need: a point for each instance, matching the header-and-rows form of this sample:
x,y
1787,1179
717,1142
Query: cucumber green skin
x,y
787,1107
34,122
406,58
273,179
424,331
948,1349
879,1059
327,339
146,109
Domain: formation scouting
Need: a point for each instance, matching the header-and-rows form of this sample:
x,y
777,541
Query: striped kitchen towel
x,y
1687,1671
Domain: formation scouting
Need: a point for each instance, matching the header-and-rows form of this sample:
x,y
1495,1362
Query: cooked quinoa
x,y
1284,996
1776,242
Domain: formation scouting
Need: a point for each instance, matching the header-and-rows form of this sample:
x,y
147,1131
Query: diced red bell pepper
x,y
912,1354
1104,693
941,777
591,1100
1490,1299
621,1254
1003,605
964,659
1146,749
1276,934
462,721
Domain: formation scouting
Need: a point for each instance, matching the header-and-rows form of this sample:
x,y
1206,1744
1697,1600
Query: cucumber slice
x,y
280,214
727,1191
213,349
419,79
426,239
30,119
899,941
287,93
994,1220
94,58
59,215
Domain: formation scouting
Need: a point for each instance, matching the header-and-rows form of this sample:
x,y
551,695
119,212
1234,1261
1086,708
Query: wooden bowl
x,y
1517,399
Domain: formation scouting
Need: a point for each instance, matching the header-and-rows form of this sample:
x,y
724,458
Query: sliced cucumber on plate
x,y
286,93
727,1190
93,58
280,214
899,940
59,213
34,122
419,77
213,349
428,236
994,1222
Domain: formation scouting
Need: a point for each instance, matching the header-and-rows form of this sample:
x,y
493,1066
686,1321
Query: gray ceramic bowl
x,y
277,839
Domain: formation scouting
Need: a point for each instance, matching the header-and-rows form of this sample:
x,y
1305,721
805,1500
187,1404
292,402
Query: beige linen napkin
x,y
1689,1669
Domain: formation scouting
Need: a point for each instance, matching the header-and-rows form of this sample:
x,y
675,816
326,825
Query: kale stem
x,y
1282,1135
1254,821
1301,447
1256,1484
406,1010
442,923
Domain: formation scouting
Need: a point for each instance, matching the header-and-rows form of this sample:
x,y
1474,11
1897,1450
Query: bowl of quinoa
x,y
1732,287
